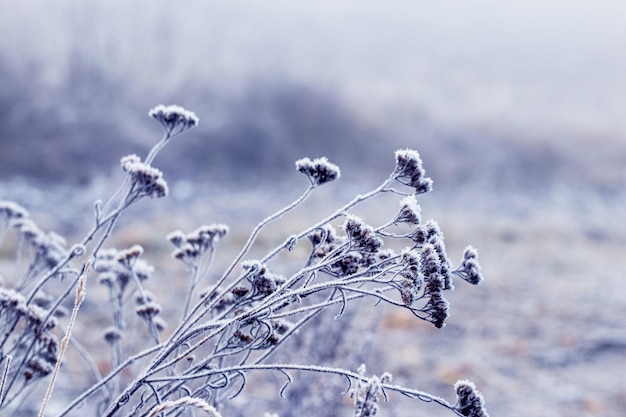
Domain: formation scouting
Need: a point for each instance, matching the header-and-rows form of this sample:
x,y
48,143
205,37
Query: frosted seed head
x,y
112,334
127,257
11,210
470,401
429,261
147,180
410,211
470,269
319,170
437,308
159,323
362,235
107,279
176,238
240,291
148,310
409,171
348,264
143,269
470,252
28,229
385,254
174,119
144,298
410,257
128,161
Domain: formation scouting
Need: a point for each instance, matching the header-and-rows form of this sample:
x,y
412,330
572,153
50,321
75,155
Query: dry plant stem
x,y
5,374
186,401
186,325
48,316
252,238
192,288
91,364
111,220
102,383
151,155
158,365
80,296
232,331
49,276
156,148
314,309
338,213
151,326
178,384
350,376
195,277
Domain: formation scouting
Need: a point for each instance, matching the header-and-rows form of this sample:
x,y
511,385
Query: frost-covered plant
x,y
244,317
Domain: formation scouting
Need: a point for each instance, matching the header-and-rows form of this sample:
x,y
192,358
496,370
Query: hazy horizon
x,y
544,67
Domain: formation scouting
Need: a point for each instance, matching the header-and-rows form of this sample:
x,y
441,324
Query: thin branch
x,y
5,375
80,296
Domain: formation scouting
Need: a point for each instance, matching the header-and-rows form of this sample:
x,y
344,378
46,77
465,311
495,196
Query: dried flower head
x,y
412,276
146,180
116,267
148,310
470,401
12,302
48,247
177,238
263,281
175,119
367,394
437,308
112,334
409,171
191,246
361,235
38,367
319,171
430,234
348,264
469,269
11,210
325,240
127,257
431,268
143,269
409,211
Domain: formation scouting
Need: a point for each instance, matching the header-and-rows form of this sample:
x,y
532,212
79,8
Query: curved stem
x,y
106,379
253,236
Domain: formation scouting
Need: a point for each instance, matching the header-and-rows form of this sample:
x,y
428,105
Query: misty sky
x,y
541,66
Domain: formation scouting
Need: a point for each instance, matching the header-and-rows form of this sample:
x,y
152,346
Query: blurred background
x,y
516,107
